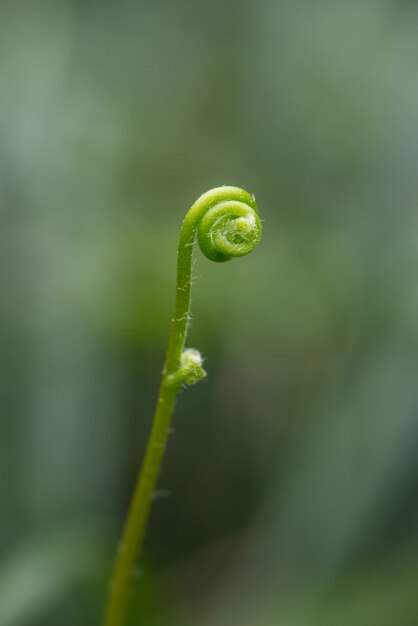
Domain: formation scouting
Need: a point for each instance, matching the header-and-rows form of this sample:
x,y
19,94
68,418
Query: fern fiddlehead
x,y
226,224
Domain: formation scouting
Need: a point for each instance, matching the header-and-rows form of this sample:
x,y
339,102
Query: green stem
x,y
227,225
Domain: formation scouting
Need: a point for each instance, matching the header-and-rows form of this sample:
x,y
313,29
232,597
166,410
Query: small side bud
x,y
190,370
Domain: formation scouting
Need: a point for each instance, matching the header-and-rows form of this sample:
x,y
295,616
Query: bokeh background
x,y
289,491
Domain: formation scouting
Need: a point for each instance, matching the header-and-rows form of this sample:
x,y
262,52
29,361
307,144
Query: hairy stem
x,y
227,225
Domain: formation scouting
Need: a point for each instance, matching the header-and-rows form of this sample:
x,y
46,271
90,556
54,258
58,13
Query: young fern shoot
x,y
226,224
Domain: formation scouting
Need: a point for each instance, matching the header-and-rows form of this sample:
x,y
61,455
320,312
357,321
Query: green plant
x,y
227,225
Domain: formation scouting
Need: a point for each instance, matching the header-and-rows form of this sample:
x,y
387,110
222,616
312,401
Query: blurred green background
x,y
288,495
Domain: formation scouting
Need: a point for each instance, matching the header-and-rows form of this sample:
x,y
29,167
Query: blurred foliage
x,y
292,470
